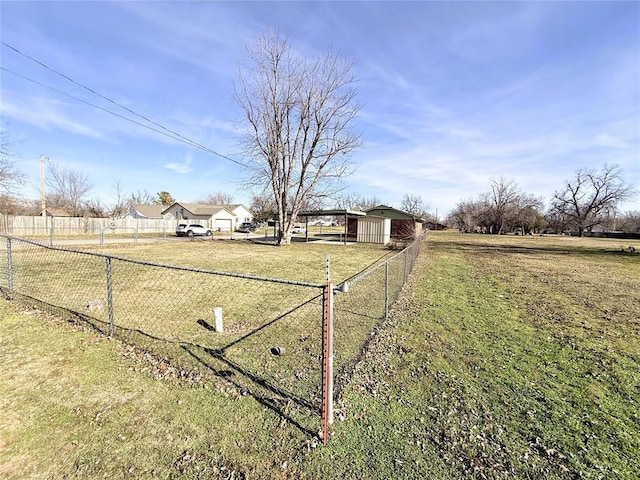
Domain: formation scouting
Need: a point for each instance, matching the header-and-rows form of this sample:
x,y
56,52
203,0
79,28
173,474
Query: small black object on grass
x,y
277,351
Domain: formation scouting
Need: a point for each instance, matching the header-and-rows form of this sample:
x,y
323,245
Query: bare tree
x,y
503,209
355,201
526,216
9,205
465,215
585,199
263,207
10,176
94,208
300,114
501,201
218,198
413,205
627,222
121,205
142,198
68,189
14,205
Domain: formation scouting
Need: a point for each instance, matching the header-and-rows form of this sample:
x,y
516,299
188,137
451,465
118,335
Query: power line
x,y
171,134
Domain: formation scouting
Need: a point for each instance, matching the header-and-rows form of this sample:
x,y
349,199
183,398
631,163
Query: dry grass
x,y
506,357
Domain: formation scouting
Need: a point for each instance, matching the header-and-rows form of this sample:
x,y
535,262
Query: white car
x,y
192,230
298,229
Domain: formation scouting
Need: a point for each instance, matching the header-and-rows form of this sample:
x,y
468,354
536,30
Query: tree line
x,y
589,199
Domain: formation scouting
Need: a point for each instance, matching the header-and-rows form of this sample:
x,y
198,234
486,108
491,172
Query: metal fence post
x,y
406,267
9,269
109,296
386,290
327,356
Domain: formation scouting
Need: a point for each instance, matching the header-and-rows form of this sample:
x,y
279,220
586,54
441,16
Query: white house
x,y
148,211
220,218
242,214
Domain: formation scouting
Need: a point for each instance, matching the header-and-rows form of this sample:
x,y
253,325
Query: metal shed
x,y
372,229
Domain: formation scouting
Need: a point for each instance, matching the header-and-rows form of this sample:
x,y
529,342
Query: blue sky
x,y
453,93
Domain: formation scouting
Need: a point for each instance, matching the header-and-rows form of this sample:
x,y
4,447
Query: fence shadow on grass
x,y
265,393
623,249
276,399
98,326
258,387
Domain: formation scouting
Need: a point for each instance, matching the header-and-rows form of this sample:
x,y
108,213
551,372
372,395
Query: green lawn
x,y
505,357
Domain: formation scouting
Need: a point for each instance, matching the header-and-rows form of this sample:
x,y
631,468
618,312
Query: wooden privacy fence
x,y
25,226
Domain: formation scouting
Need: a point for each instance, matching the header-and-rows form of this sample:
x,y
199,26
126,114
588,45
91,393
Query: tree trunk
x,y
283,239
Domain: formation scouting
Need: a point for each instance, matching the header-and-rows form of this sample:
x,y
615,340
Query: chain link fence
x,y
360,311
263,335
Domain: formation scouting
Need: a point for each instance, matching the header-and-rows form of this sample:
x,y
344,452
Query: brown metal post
x,y
327,357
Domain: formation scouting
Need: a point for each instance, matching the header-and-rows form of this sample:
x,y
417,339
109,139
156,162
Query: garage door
x,y
222,225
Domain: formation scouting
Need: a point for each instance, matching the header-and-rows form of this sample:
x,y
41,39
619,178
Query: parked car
x,y
192,230
247,227
325,223
298,229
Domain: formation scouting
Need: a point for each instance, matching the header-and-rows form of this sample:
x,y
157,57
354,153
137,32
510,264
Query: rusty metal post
x,y
327,355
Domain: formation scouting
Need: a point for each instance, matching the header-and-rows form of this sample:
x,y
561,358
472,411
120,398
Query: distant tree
x,y
500,203
414,205
9,205
556,222
164,198
94,208
587,197
627,222
218,198
10,177
263,207
465,215
142,198
355,201
526,213
505,208
14,205
121,204
300,114
68,189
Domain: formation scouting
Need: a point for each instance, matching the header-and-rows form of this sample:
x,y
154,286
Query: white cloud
x,y
47,114
606,140
180,167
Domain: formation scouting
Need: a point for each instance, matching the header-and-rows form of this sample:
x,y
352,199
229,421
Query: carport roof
x,y
320,213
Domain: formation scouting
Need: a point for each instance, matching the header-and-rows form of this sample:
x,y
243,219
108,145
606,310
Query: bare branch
x,y
589,195
10,177
68,189
300,114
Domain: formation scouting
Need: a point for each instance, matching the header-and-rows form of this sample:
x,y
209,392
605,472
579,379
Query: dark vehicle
x,y
246,227
192,230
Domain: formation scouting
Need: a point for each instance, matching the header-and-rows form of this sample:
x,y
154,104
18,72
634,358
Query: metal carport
x,y
346,213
